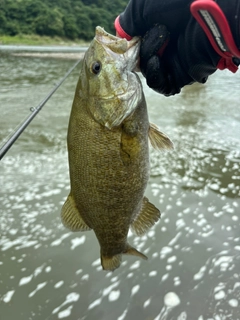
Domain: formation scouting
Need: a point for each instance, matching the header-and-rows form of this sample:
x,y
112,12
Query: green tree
x,y
69,18
50,23
70,26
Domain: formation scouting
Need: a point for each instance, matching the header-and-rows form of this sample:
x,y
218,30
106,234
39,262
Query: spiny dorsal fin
x,y
71,217
111,263
146,218
158,139
134,252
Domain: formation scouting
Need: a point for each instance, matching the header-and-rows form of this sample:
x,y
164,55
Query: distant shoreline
x,y
45,51
60,55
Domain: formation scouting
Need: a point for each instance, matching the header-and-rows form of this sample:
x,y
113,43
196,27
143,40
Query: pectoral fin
x,y
71,217
146,218
158,139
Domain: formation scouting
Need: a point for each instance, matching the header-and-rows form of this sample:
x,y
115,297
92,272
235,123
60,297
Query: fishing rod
x,y
4,149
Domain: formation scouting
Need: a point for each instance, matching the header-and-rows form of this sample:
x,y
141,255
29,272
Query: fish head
x,y
111,89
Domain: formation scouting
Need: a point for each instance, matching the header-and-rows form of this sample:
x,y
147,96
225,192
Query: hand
x,y
169,67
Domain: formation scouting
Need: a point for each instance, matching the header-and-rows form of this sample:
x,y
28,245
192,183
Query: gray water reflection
x,y
193,268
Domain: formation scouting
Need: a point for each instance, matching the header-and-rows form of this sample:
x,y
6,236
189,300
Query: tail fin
x,y
113,262
134,252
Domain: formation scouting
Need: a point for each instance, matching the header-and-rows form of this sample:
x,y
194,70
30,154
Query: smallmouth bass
x,y
108,149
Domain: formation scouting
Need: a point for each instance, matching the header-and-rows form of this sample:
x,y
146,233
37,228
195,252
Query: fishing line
x,y
4,149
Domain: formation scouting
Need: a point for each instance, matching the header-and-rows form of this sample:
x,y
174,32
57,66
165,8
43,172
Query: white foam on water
x,y
182,316
71,297
175,239
39,287
48,269
79,271
147,303
8,296
233,303
171,300
95,303
58,284
122,316
135,289
219,295
96,262
152,273
151,233
165,251
107,290
200,273
38,270
114,279
25,280
13,231
165,276
177,281
77,242
172,259
201,222
236,285
65,313
207,234
85,277
59,241
223,262
114,295
135,265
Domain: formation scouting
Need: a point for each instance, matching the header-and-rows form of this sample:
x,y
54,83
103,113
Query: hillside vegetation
x,y
71,19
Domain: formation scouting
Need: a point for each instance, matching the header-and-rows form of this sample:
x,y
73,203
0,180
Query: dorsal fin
x,y
158,139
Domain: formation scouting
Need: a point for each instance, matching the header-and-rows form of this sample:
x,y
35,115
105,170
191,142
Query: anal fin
x,y
71,217
146,218
158,139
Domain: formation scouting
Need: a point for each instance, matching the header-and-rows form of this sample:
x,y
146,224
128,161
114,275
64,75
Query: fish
x,y
108,149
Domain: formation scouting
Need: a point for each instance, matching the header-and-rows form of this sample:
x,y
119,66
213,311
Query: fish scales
x,y
108,149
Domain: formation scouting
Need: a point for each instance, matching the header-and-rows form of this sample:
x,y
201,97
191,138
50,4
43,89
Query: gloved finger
x,y
154,39
159,79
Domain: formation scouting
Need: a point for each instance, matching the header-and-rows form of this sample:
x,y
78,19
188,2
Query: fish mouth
x,y
116,44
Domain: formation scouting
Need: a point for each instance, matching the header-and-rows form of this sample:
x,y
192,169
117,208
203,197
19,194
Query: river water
x,y
193,266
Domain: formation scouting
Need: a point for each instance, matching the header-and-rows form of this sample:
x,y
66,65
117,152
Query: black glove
x,y
189,59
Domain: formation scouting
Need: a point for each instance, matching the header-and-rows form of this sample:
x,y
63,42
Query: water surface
x,y
193,267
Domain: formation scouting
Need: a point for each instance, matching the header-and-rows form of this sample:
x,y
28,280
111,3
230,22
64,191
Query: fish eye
x,y
96,67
